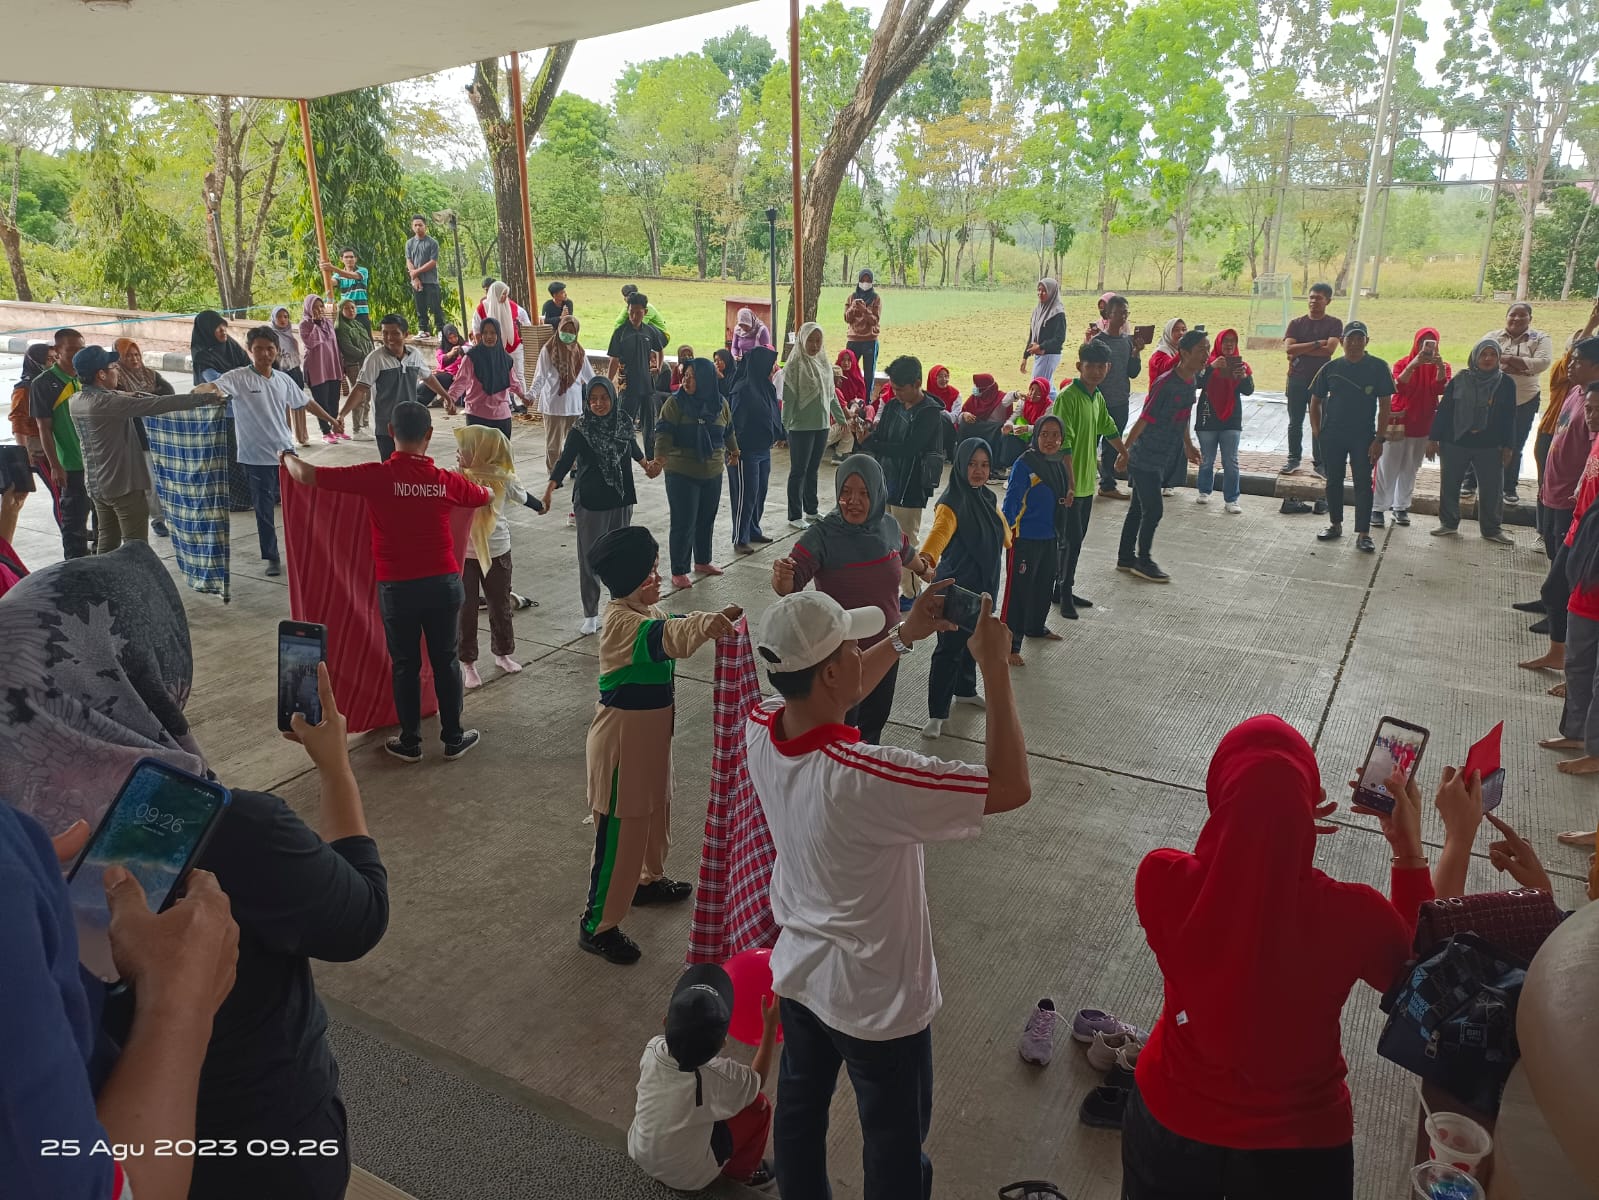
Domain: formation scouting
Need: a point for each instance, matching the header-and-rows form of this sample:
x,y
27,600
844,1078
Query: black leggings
x,y
327,395
1027,591
805,447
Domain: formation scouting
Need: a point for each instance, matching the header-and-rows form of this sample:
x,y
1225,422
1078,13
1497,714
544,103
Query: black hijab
x,y
610,437
208,354
1051,469
866,295
33,363
491,364
978,526
724,381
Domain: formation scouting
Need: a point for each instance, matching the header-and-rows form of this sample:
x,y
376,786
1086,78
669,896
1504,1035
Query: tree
x,y
742,56
489,92
1534,60
565,173
29,120
905,35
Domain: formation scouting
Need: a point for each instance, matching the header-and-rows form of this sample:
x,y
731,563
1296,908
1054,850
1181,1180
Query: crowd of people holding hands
x,y
222,1036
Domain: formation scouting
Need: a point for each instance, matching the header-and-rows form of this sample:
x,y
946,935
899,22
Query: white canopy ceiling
x,y
295,49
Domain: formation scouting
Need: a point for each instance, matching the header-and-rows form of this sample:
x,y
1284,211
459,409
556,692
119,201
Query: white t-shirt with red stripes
x,y
848,821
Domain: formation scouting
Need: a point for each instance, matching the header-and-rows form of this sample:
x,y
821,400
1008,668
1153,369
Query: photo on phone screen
x,y
155,827
301,646
16,471
1396,744
962,606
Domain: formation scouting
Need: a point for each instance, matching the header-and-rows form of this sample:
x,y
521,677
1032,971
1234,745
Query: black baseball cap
x,y
91,360
1357,327
698,1015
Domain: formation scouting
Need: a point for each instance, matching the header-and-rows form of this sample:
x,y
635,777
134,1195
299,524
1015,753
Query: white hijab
x,y
1047,307
813,373
1168,339
498,308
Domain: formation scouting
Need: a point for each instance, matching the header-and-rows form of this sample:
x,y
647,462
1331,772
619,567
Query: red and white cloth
x,y
732,911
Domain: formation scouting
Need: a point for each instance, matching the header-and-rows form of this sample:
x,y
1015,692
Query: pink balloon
x,y
751,973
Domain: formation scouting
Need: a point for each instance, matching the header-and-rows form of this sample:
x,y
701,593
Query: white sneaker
x,y
589,625
1168,491
1102,1051
796,524
934,728
1235,508
974,701
1202,498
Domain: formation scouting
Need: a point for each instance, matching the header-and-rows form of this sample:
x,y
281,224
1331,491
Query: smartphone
x,y
156,828
1493,789
1233,362
301,646
962,606
1395,744
1199,329
16,469
1144,332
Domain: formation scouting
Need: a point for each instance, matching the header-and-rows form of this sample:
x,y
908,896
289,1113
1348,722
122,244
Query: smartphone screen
x,y
962,606
301,646
16,472
1147,332
1493,789
155,827
1396,744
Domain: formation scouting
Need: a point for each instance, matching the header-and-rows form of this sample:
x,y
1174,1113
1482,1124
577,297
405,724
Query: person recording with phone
x,y
297,893
966,544
1419,381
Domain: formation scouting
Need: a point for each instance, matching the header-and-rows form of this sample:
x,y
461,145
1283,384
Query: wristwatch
x,y
901,648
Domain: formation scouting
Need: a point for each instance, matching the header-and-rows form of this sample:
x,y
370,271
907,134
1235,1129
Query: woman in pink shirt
x,y
484,383
324,367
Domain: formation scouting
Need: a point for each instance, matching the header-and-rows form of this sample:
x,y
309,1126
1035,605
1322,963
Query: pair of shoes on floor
x,y
1091,1021
409,752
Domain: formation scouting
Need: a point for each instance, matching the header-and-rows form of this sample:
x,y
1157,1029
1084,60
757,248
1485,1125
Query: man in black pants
x,y
1154,443
1348,405
1125,365
49,397
422,262
419,578
636,351
1310,343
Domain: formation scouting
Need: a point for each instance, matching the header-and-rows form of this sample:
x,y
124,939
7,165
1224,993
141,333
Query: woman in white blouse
x,y
559,380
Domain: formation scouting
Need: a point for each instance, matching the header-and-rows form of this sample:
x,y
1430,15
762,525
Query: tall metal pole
x,y
1493,201
794,150
316,201
771,245
1385,198
519,122
1376,155
1282,199
460,278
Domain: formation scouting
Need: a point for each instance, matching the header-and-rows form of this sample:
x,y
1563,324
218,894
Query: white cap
x,y
804,628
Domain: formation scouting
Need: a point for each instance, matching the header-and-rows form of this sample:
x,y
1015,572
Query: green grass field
x,y
972,331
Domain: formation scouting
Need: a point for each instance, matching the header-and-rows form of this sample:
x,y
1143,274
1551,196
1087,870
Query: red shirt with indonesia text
x,y
408,503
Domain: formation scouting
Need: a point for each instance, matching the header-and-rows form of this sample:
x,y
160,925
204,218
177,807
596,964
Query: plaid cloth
x,y
190,453
732,909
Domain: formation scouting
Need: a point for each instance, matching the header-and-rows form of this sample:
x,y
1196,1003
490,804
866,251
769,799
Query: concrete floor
x,y
480,978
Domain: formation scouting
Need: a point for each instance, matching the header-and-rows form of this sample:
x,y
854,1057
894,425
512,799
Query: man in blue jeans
x,y
408,503
853,965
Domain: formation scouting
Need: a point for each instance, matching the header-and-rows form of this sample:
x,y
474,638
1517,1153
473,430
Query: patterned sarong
x,y
732,909
190,453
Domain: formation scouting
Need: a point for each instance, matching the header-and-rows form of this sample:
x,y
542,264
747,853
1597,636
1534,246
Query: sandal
x,y
520,602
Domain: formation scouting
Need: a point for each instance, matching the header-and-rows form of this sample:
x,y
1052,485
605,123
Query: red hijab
x,y
852,385
949,395
1222,393
1038,401
984,403
1426,382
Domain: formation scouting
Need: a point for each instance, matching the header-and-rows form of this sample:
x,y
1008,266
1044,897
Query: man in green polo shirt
x,y
48,397
1080,405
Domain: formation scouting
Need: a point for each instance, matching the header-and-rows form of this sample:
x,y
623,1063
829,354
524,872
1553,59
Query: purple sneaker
x,y
1090,1021
1038,1038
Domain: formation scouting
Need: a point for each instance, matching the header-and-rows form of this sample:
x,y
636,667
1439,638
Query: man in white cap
x,y
853,965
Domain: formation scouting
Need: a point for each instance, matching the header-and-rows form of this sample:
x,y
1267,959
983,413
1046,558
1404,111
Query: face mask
x,y
568,338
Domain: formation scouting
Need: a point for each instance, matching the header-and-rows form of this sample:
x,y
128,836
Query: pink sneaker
x,y
329,439
1038,1037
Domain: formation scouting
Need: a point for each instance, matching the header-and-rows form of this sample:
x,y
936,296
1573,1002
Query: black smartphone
x,y
1145,332
1493,789
16,469
1396,744
962,606
301,646
1198,329
156,828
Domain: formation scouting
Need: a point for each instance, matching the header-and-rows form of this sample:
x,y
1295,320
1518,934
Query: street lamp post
x,y
771,242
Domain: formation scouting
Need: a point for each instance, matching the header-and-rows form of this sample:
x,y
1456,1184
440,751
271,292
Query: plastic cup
x,y
1440,1181
1458,1141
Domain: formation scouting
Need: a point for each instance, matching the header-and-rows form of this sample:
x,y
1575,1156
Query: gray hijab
x,y
1046,308
834,542
1475,390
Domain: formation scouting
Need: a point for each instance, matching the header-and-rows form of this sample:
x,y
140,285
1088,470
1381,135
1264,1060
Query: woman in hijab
x,y
984,414
1161,360
485,381
109,632
749,331
1037,500
509,317
810,405
484,456
757,423
851,383
559,380
855,554
213,354
694,440
135,378
289,362
324,364
1219,418
966,543
1420,378
863,313
1247,924
37,360
355,343
1046,335
1019,432
1474,426
948,396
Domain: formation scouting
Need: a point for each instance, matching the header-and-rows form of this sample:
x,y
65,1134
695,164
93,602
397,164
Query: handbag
x,y
1452,1020
1515,922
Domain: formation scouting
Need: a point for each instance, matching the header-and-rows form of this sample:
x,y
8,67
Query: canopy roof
x,y
294,49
